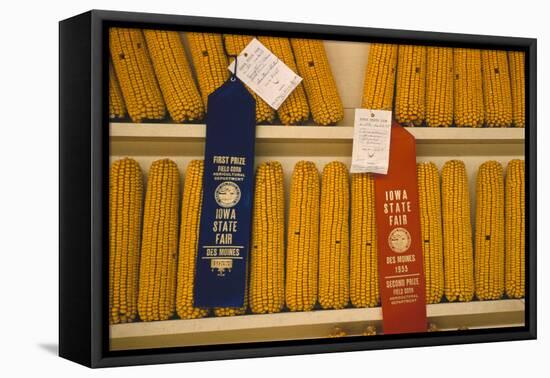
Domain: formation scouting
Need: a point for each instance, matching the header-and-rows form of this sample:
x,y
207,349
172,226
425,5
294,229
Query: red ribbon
x,y
402,282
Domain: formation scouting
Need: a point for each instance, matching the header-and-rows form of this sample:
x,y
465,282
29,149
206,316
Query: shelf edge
x,y
155,131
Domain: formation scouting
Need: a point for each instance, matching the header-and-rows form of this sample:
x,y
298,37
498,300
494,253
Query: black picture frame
x,y
83,196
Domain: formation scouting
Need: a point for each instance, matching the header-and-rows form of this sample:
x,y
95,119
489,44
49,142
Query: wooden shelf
x,y
305,325
155,131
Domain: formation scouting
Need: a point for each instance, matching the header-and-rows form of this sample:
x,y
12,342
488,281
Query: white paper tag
x,y
265,74
371,141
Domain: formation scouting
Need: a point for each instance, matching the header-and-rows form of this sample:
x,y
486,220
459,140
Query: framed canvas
x,y
315,273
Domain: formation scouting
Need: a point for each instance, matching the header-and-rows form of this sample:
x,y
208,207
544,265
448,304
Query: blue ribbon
x,y
226,217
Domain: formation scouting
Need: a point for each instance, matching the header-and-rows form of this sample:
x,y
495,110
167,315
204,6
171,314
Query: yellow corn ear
x,y
209,61
117,108
515,229
497,91
321,90
468,88
267,259
410,95
489,235
364,287
439,87
302,254
334,237
516,61
125,206
191,207
380,73
174,75
457,233
234,44
294,110
157,276
135,74
429,199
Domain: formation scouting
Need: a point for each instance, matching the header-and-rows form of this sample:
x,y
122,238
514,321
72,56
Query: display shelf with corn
x,y
267,321
449,90
320,146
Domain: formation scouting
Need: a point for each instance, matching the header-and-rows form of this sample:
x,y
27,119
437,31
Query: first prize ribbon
x,y
226,217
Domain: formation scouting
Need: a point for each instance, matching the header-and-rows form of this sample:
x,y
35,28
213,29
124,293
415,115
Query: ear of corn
x,y
174,75
468,88
294,110
410,96
489,235
267,259
321,90
457,233
429,199
135,74
515,229
516,61
209,61
439,87
117,108
302,238
234,44
364,287
334,237
188,245
380,73
497,92
125,206
157,277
